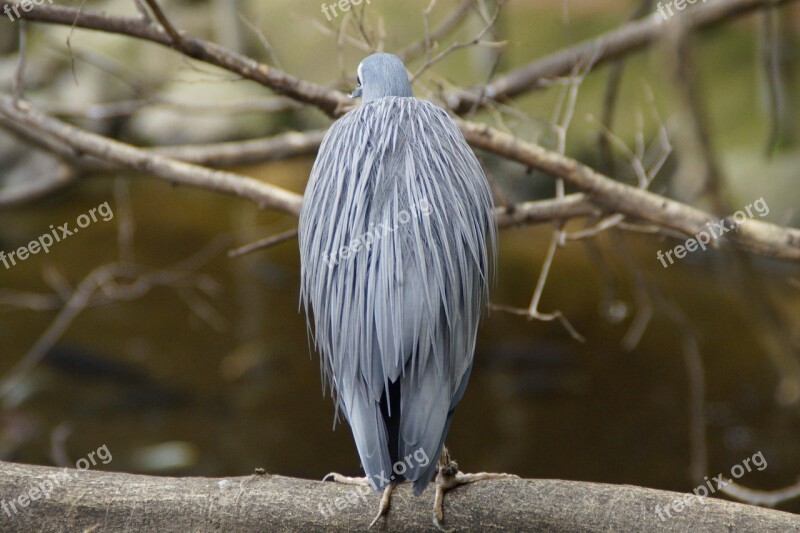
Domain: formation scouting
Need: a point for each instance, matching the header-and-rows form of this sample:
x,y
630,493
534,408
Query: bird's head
x,y
381,75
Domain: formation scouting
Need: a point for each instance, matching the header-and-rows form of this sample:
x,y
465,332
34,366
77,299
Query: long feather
x,y
397,238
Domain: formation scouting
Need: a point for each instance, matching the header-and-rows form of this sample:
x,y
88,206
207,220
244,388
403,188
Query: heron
x,y
397,244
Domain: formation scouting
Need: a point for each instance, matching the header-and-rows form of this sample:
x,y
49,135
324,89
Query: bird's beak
x,y
356,92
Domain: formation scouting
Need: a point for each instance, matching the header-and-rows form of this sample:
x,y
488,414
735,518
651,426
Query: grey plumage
x,y
382,75
397,240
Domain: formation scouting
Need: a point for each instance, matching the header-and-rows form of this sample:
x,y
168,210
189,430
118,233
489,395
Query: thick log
x,y
107,501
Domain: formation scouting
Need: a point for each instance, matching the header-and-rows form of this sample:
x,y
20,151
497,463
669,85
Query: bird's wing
x,y
397,238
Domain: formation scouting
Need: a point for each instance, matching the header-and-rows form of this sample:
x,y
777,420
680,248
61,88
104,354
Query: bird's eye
x,y
358,89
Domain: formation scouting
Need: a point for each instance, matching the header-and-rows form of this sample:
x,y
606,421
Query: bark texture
x,y
106,501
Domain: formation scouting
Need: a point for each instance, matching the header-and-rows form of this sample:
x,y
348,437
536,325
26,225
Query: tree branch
x,y
105,501
70,142
755,236
331,102
628,38
226,154
126,156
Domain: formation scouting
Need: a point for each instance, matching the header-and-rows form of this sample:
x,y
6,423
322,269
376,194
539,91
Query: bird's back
x,y
397,238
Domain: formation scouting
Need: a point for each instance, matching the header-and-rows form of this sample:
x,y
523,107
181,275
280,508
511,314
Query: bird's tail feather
x,y
422,433
369,432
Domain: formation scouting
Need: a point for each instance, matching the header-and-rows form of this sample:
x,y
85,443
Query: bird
x,y
398,242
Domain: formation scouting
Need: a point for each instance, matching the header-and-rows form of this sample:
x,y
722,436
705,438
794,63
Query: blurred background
x,y
684,371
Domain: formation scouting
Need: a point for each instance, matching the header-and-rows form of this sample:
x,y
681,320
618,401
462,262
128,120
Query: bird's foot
x,y
386,500
344,480
386,497
448,477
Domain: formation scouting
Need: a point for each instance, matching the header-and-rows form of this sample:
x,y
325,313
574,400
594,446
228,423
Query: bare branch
x,y
696,147
33,189
769,44
333,103
124,108
19,73
451,23
628,38
571,206
164,21
140,7
430,61
755,236
100,287
124,155
263,243
767,498
227,154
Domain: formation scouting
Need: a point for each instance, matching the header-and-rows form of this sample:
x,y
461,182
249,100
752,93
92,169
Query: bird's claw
x,y
345,480
448,477
386,500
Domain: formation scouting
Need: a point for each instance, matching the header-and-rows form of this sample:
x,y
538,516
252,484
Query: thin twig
x,y
450,24
766,498
174,35
628,38
429,62
140,7
19,72
264,243
127,156
261,38
769,31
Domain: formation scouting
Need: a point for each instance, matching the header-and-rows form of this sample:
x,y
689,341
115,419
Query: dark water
x,y
169,392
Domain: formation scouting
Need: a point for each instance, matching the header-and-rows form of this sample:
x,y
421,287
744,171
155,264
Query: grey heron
x,y
397,245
